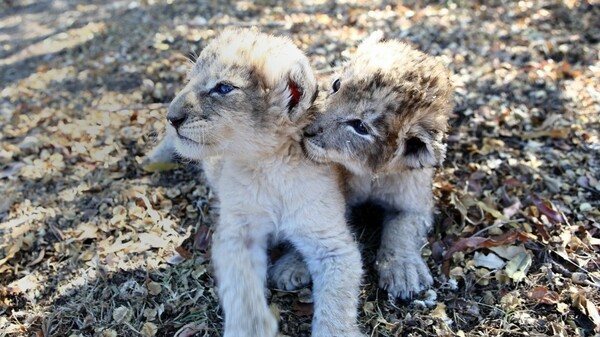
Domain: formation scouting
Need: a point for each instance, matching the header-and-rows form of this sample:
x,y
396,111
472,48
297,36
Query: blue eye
x,y
221,89
358,126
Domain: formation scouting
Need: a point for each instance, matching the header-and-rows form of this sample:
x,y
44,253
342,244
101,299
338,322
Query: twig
x,y
499,224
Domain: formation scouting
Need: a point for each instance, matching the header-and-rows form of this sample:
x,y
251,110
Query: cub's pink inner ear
x,y
295,95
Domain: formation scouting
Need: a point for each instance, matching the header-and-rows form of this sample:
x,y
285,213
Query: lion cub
x,y
247,101
384,121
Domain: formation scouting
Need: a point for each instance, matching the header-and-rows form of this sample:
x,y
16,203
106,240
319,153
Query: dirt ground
x,y
91,244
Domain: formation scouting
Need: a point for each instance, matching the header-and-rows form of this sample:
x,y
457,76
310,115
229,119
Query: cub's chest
x,y
382,190
276,186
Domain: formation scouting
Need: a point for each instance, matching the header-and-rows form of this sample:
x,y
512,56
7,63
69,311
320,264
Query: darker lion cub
x,y
384,121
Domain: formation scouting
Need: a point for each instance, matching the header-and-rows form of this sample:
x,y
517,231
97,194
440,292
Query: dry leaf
x,y
120,314
592,312
117,246
543,295
518,266
508,252
13,248
494,212
547,210
149,329
153,288
490,261
152,240
183,252
190,329
88,231
439,312
563,308
108,333
480,242
202,238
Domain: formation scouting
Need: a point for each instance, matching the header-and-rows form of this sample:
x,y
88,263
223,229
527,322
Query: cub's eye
x,y
359,127
221,89
336,85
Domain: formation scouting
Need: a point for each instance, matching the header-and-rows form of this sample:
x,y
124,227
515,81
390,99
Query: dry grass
x,y
91,245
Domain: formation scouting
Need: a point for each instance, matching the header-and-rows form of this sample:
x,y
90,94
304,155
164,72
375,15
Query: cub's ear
x,y
301,88
418,148
373,38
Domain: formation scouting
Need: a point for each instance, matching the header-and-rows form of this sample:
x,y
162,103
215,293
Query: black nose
x,y
176,120
312,131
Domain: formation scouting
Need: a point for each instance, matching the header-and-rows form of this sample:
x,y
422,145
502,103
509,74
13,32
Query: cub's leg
x,y
290,272
334,263
402,271
239,255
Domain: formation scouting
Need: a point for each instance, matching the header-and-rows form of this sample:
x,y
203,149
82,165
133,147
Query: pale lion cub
x,y
247,101
384,121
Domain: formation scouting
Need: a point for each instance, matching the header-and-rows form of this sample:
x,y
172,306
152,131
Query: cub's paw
x,y
402,275
289,272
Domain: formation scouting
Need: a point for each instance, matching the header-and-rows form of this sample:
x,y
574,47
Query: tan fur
x,y
402,97
249,139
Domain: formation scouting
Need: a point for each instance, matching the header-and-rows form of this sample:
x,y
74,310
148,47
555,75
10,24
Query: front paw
x,y
402,275
289,272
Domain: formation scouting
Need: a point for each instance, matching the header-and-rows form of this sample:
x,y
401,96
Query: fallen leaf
x,y
175,259
439,312
190,329
508,252
480,242
563,308
542,294
118,245
149,329
183,252
518,266
543,207
202,238
108,333
13,249
513,209
490,261
153,288
88,231
152,240
592,313
494,212
120,314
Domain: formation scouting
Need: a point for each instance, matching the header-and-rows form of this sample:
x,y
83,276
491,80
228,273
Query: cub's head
x,y
246,90
387,111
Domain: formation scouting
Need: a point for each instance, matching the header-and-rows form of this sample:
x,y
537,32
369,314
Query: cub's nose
x,y
176,119
312,130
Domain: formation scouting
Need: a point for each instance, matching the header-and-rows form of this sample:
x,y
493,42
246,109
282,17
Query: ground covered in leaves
x,y
93,245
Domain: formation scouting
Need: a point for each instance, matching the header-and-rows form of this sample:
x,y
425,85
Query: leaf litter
x,y
95,244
